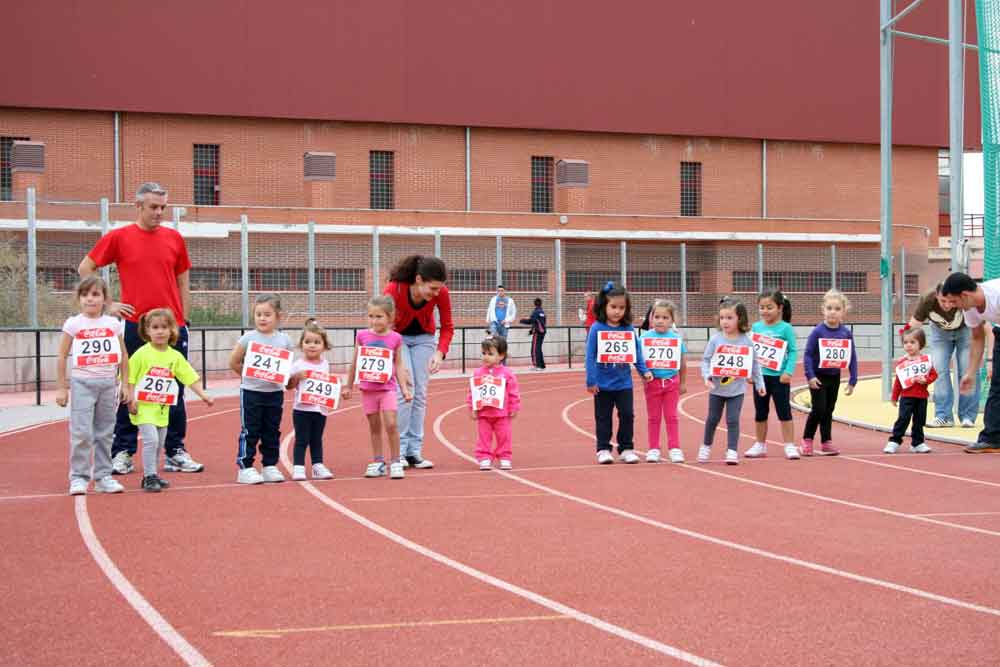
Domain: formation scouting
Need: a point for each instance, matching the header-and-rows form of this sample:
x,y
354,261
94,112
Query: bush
x,y
207,317
14,289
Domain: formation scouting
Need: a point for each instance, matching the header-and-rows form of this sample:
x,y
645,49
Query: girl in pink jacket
x,y
494,400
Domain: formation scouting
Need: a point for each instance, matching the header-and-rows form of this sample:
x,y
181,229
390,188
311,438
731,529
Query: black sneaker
x,y
983,448
164,484
151,484
417,462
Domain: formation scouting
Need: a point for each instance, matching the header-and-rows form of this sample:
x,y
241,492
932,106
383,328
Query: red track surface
x,y
820,561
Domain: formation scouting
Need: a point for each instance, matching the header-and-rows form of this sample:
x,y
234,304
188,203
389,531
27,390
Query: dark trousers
x,y
991,412
824,400
127,433
537,358
605,403
308,435
915,408
260,422
780,392
733,406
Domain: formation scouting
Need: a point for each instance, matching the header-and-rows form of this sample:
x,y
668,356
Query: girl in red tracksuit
x,y
495,421
912,401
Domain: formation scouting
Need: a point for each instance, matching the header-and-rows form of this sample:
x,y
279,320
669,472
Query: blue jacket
x,y
611,377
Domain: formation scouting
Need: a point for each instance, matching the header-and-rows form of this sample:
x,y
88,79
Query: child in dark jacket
x,y
538,329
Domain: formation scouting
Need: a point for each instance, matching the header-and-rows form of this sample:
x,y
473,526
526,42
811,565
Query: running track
x,y
858,559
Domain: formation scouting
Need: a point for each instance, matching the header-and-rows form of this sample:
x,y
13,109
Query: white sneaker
x,y
791,452
108,485
605,457
78,487
396,471
757,451
628,456
375,469
940,423
272,475
320,471
704,452
181,461
420,464
676,455
653,456
922,448
891,447
298,473
248,476
968,423
485,464
121,464
505,463
404,462
732,457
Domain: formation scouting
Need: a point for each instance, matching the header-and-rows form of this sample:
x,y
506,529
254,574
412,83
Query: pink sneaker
x,y
806,448
828,449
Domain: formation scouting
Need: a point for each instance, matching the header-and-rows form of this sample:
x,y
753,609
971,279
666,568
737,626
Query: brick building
x,y
777,161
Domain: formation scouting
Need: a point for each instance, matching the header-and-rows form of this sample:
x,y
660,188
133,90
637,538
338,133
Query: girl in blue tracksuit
x,y
611,383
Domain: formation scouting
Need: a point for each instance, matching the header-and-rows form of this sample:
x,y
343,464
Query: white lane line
x,y
805,494
923,472
961,514
503,585
188,653
927,595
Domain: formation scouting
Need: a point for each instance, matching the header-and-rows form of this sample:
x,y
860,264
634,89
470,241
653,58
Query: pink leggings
x,y
488,426
661,403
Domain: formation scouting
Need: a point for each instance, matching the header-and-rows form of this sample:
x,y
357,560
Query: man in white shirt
x,y
981,303
501,312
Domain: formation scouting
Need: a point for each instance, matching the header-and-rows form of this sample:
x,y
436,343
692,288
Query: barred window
x,y
530,280
541,184
912,284
800,281
662,281
215,279
589,281
381,179
690,188
340,280
206,174
60,278
472,280
6,175
327,280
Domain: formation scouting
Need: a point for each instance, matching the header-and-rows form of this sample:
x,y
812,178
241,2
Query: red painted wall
x,y
782,69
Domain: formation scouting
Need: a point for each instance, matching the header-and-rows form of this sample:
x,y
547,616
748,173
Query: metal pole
x,y
559,285
118,158
760,267
833,266
311,278
376,265
38,367
177,217
624,261
684,284
468,169
32,261
902,284
437,243
885,193
245,270
105,226
204,362
499,260
463,350
763,178
956,118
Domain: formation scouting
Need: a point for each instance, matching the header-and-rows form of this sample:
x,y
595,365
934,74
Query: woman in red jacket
x,y
417,286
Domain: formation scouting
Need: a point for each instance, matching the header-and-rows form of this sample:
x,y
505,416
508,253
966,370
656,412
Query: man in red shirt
x,y
153,267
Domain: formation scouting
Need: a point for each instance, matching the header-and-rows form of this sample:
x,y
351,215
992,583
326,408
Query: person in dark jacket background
x,y
538,329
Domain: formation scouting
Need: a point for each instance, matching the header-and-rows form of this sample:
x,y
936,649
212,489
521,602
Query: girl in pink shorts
x,y
375,368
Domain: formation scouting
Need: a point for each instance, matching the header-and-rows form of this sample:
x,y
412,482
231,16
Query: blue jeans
x,y
943,345
498,329
417,352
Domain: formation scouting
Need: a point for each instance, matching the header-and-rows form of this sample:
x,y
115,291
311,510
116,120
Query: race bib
x,y
319,388
770,352
488,392
615,347
834,352
662,353
267,363
96,347
158,386
374,364
910,370
733,361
